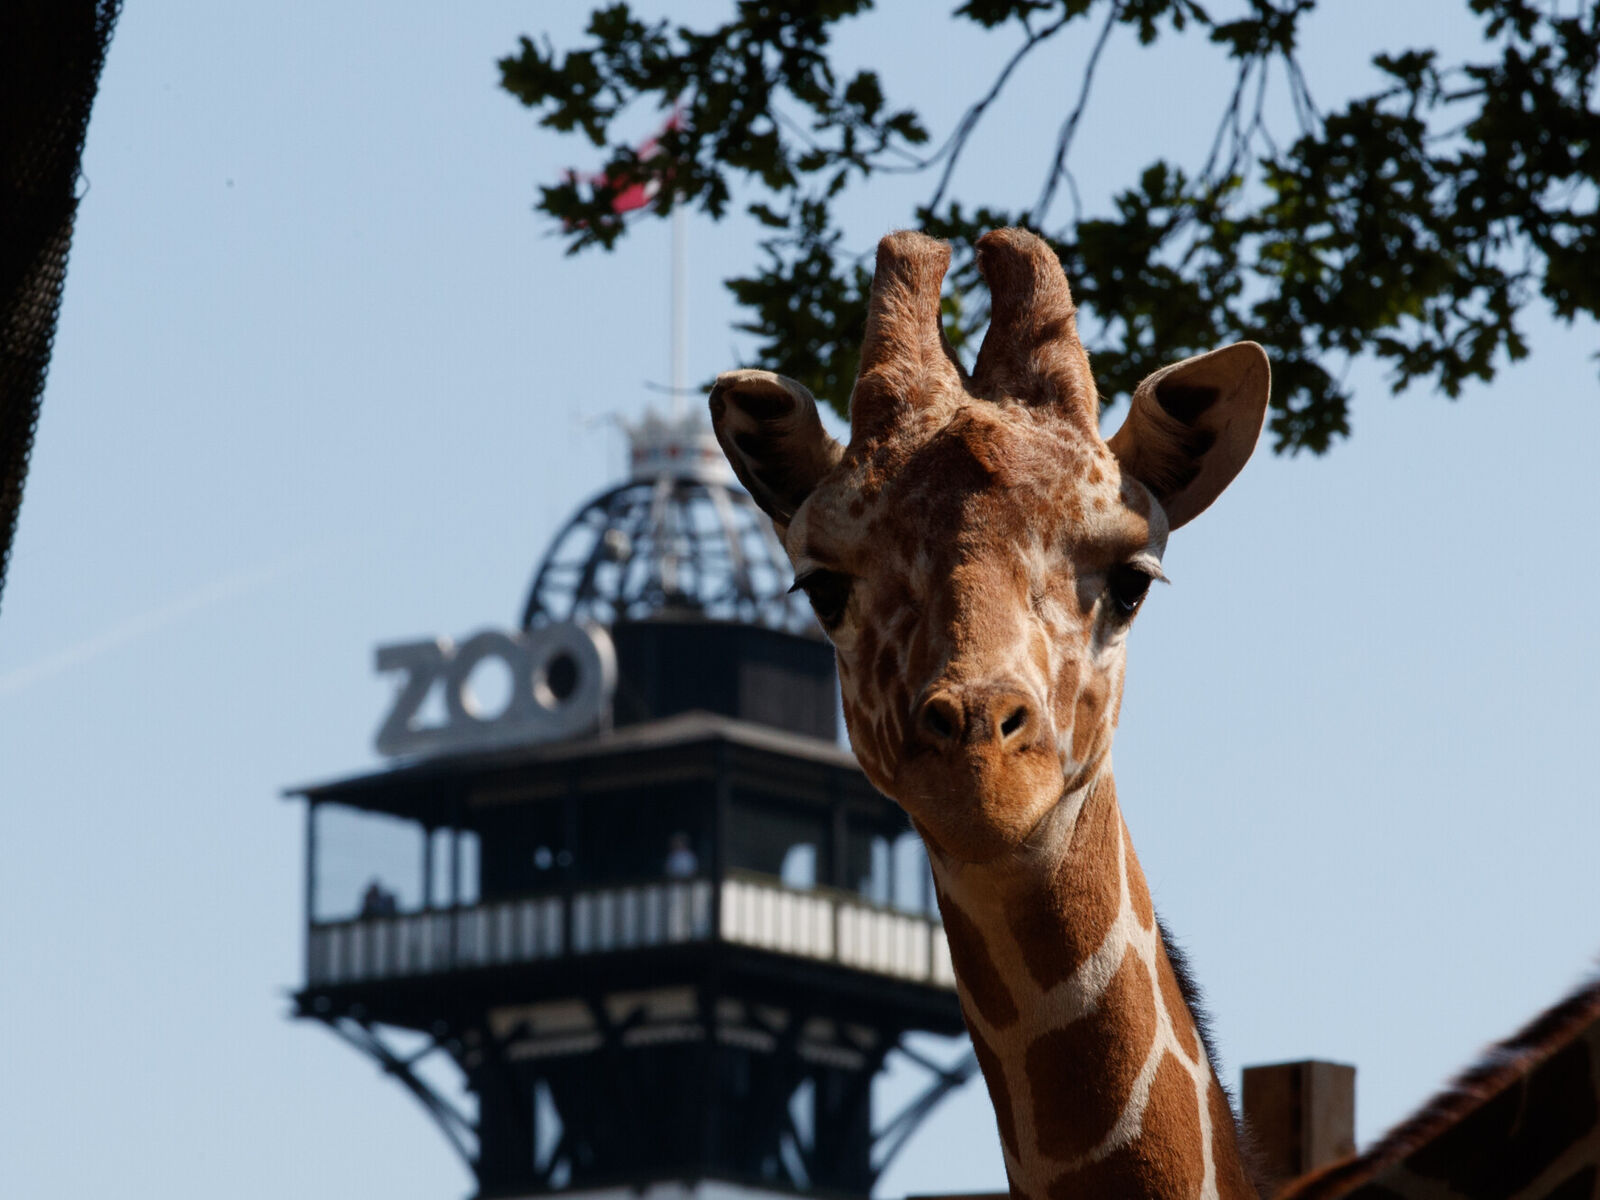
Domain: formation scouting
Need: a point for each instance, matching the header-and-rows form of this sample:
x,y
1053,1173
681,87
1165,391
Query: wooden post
x,y
1300,1115
311,887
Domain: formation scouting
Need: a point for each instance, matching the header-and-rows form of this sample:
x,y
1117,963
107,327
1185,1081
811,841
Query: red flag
x,y
631,196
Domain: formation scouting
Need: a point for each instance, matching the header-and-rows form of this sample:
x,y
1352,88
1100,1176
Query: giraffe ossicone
x,y
977,554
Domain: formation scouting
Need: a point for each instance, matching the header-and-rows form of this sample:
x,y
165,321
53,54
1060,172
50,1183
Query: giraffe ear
x,y
768,427
1192,426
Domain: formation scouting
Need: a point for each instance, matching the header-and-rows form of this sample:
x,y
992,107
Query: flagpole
x,y
680,307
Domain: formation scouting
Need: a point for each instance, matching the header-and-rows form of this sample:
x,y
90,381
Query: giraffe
x,y
1522,1124
976,554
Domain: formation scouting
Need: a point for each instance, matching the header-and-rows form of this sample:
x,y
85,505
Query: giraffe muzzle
x,y
960,720
979,767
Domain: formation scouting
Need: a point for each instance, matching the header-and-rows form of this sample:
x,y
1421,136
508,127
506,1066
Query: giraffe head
x,y
977,552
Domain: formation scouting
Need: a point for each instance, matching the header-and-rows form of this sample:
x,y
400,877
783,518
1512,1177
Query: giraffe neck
x,y
1100,1081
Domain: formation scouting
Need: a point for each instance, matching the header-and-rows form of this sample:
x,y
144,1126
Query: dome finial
x,y
680,446
679,540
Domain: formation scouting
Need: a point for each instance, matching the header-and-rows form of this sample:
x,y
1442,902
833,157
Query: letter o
x,y
463,705
572,677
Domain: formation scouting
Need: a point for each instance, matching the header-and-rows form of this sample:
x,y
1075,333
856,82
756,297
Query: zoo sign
x,y
562,678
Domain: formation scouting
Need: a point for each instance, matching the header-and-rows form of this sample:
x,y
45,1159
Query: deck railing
x,y
753,911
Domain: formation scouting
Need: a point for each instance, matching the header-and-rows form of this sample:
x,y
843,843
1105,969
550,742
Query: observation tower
x,y
619,911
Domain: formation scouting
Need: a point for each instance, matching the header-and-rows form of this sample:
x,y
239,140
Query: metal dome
x,y
679,539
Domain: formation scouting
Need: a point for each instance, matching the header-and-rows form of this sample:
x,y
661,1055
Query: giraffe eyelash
x,y
828,591
1127,585
1150,565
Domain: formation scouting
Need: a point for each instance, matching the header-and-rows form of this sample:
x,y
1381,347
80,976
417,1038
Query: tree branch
x,y
1069,127
969,122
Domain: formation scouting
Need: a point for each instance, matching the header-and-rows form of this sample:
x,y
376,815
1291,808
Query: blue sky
x,y
322,381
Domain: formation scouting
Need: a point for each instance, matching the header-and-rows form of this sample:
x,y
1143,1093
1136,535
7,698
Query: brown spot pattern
x,y
1087,713
1232,1178
969,954
967,497
1163,1163
1138,890
1177,1010
862,735
1081,902
999,1093
1080,1076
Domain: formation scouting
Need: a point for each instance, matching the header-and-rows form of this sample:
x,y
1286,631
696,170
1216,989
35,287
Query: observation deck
x,y
646,902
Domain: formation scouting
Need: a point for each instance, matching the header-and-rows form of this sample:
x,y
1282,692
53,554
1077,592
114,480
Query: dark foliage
x,y
1413,224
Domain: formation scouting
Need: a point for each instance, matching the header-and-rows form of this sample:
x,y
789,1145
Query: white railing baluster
x,y
816,924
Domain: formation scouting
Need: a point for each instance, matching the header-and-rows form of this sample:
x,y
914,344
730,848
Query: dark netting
x,y
51,52
675,546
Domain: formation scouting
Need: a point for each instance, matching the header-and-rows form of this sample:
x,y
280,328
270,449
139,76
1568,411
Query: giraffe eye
x,y
829,593
1127,585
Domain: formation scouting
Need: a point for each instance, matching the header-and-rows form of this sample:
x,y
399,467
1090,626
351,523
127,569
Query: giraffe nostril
x,y
1013,723
940,719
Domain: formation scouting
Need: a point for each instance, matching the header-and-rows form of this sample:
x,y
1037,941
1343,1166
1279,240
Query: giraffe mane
x,y
1189,989
1501,1065
1194,1000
